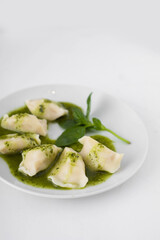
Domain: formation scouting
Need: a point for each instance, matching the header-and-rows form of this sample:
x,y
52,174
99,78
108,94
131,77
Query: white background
x,y
112,45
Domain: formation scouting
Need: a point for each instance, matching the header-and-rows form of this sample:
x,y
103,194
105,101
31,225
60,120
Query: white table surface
x,y
121,66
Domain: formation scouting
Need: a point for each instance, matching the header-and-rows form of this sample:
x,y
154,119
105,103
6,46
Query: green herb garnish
x,y
100,127
77,124
88,105
70,136
80,118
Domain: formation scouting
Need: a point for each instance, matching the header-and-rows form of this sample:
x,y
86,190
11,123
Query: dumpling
x,y
69,171
13,143
37,159
44,108
24,122
99,157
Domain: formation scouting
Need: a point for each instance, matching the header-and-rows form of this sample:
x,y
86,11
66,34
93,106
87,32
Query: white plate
x,y
114,113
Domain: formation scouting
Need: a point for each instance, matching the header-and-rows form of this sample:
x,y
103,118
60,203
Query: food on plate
x,y
71,161
37,159
98,157
47,109
24,122
13,143
69,171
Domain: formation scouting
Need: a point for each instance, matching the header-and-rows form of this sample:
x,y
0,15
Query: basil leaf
x,y
88,105
70,136
97,124
80,118
67,123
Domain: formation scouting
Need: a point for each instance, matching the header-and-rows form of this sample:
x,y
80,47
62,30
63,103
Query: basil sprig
x,y
99,126
79,124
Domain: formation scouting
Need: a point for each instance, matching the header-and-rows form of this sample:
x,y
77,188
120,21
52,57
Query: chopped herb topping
x,y
41,108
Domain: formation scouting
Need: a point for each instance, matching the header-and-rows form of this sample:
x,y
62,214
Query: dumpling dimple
x,y
24,122
13,143
38,159
44,108
69,171
98,157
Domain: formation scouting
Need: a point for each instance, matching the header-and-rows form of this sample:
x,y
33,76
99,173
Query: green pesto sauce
x,y
40,179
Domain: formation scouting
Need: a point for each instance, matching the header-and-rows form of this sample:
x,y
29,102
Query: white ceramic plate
x,y
114,113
